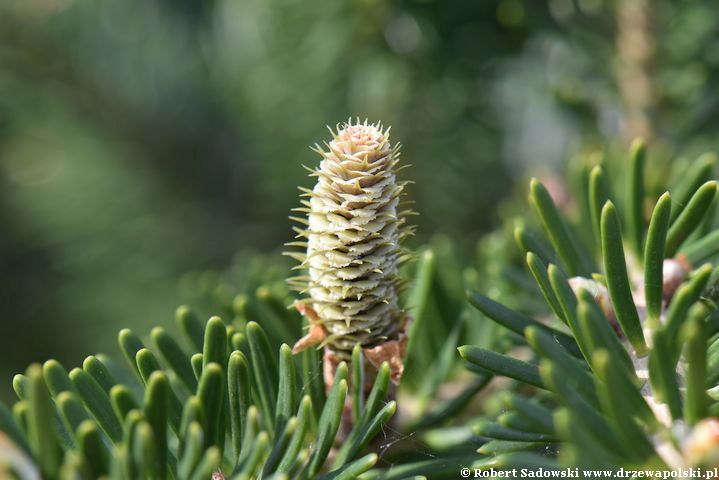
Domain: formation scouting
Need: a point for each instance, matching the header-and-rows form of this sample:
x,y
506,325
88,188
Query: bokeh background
x,y
143,140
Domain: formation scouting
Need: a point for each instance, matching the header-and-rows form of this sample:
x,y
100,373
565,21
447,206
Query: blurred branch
x,y
636,51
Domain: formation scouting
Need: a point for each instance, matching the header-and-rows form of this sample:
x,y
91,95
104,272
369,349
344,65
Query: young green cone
x,y
353,233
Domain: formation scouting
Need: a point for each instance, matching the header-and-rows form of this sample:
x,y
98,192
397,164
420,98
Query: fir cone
x,y
353,232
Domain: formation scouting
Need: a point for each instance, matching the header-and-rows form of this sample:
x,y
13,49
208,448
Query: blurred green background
x,y
144,139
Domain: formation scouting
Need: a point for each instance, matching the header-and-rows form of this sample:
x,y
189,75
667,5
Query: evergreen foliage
x,y
607,341
620,359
